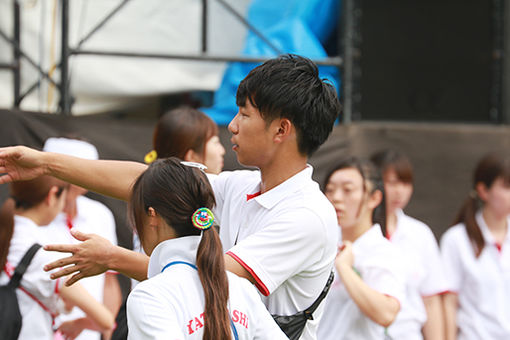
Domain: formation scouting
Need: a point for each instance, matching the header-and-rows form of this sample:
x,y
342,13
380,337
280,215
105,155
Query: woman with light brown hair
x,y
189,135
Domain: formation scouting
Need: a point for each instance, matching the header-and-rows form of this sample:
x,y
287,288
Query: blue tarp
x,y
294,26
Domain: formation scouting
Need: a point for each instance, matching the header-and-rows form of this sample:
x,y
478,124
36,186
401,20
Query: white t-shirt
x,y
425,275
37,322
482,284
286,237
92,217
377,261
170,304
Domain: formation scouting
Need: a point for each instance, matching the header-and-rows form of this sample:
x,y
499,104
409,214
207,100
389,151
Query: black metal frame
x,y
349,42
65,102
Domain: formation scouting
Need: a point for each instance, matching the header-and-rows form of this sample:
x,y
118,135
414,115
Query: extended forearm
x,y
110,178
129,263
378,307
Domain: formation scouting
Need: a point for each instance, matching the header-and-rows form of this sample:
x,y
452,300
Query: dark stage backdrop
x,y
443,155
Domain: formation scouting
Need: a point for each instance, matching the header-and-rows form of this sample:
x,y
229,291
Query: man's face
x,y
252,140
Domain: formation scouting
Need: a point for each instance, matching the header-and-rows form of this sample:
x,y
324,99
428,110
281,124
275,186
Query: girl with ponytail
x,y
364,298
476,254
188,294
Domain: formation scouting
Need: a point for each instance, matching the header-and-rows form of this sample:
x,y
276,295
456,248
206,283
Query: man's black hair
x,y
289,87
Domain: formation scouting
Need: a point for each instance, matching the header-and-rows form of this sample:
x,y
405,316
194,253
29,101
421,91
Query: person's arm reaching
x,y
94,256
110,178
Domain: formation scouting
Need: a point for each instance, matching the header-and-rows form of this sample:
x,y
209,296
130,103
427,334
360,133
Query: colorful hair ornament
x,y
202,218
151,157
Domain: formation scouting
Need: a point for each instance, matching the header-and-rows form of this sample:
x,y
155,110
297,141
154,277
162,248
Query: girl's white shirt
x,y
37,323
378,262
482,284
425,275
170,304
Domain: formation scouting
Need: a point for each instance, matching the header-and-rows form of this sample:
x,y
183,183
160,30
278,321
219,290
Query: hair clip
x,y
202,218
195,165
150,157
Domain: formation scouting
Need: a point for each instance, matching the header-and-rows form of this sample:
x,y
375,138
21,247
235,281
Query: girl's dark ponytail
x,y
467,215
379,213
211,269
175,191
490,168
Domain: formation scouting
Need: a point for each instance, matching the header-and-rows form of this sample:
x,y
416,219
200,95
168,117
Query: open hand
x,y
21,163
88,258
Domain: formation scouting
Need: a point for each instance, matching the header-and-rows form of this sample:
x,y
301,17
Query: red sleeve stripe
x,y
439,293
258,282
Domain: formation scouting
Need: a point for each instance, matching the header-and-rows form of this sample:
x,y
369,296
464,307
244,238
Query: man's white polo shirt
x,y
425,275
285,237
482,284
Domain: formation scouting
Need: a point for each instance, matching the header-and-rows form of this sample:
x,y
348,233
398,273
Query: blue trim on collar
x,y
179,262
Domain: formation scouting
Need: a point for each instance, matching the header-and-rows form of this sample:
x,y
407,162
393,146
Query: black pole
x,y
17,55
65,99
498,14
348,56
204,26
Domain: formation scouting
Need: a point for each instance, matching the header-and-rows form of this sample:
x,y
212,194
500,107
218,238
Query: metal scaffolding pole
x,y
65,97
347,82
16,55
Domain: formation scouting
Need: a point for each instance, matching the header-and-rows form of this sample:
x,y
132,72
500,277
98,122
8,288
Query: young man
x,y
277,227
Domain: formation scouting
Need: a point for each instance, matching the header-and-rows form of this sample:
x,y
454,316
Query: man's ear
x,y
284,129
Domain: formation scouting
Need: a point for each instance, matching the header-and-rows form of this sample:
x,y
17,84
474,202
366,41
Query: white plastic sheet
x,y
101,83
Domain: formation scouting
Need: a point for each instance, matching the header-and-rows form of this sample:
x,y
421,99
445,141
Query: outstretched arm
x,y
94,256
110,178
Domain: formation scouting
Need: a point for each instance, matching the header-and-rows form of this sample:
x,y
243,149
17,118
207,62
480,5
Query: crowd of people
x,y
260,254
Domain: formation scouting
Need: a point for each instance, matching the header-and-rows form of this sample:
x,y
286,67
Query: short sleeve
x,y
387,278
292,241
451,260
149,319
434,282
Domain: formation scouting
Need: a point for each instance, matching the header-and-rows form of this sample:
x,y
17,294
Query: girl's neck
x,y
32,215
498,225
353,233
